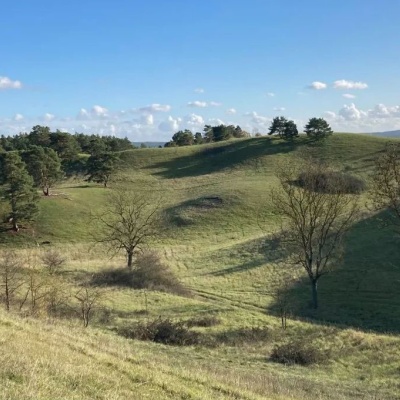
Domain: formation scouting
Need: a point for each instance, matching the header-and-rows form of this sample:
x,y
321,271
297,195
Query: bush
x,y
299,352
149,273
53,260
330,182
163,331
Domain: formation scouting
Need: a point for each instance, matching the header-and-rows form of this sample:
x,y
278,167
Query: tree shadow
x,y
225,155
363,291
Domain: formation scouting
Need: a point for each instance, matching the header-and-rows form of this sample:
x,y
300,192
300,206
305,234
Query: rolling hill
x,y
219,241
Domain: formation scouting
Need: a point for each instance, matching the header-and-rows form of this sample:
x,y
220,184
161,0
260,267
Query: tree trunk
x,y
130,259
314,294
46,191
15,225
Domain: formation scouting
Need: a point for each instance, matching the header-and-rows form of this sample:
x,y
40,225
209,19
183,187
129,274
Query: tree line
x,y
316,128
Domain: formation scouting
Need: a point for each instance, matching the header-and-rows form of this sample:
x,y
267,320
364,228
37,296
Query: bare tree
x,y
88,299
317,213
53,260
10,277
128,222
385,185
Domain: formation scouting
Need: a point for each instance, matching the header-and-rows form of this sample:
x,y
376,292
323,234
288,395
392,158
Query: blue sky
x,y
146,69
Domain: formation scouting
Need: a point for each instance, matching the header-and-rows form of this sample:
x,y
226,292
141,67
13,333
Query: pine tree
x,y
18,189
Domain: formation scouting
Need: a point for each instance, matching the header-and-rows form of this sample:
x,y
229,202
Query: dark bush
x,y
299,352
203,322
149,273
163,331
331,182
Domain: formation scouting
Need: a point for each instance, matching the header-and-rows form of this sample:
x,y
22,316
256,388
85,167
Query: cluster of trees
x,y
316,128
65,144
40,159
210,134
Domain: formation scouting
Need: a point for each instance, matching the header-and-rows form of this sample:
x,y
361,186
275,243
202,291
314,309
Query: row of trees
x,y
65,144
210,134
316,128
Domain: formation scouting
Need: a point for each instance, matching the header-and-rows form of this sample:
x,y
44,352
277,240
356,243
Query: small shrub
x,y
203,322
330,182
163,331
53,260
149,273
299,352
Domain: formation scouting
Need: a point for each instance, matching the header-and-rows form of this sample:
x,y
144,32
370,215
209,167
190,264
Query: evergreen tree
x,y
317,128
278,126
290,131
44,165
18,189
100,167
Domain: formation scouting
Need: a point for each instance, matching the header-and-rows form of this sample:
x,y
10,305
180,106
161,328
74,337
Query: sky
x,y
146,69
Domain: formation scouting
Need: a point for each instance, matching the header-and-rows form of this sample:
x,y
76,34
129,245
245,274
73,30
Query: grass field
x,y
219,242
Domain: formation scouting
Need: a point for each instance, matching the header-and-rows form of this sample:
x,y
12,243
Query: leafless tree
x,y
385,185
316,214
53,260
10,276
128,222
88,299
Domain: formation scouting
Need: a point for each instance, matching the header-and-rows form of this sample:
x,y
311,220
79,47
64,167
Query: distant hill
x,y
387,134
149,144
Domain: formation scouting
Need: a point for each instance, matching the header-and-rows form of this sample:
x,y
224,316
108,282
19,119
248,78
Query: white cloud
x,y
18,117
329,115
279,108
199,90
7,83
316,85
231,111
343,84
155,107
216,121
197,103
99,111
351,112
48,117
147,119
349,96
382,111
270,94
83,114
171,124
215,104
194,120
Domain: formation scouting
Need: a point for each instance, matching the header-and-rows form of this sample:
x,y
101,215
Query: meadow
x,y
220,240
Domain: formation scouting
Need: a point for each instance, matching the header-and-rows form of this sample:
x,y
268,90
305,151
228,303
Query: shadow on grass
x,y
261,251
363,291
225,155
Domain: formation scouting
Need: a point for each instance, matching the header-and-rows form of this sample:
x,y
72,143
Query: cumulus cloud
x,y
199,90
197,103
382,111
215,104
155,108
351,112
18,117
349,96
99,111
316,85
344,84
147,119
170,125
216,121
194,120
7,83
231,111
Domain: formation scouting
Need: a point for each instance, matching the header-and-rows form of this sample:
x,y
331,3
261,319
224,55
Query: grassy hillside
x,y
219,243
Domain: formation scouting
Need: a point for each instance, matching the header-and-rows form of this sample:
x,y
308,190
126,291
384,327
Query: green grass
x,y
222,250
